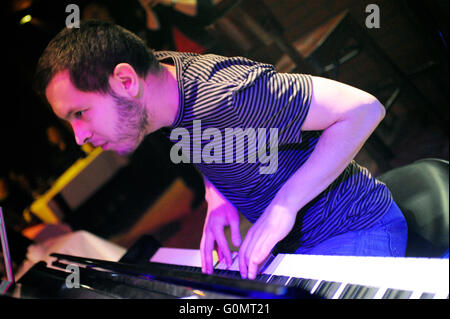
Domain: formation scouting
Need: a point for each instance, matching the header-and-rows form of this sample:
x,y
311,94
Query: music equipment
x,y
176,273
339,277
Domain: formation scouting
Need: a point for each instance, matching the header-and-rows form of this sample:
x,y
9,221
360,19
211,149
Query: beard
x,y
132,123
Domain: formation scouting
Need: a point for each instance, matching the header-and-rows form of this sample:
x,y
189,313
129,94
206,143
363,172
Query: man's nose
x,y
82,135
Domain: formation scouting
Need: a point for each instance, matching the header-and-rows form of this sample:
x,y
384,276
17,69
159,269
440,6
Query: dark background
x,y
414,34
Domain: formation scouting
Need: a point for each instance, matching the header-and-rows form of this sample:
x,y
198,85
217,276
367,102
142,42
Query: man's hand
x,y
220,214
271,227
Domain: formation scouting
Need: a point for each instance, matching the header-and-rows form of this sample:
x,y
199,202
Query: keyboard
x,y
335,277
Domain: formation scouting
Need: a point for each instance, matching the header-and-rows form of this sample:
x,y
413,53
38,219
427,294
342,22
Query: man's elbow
x,y
379,110
372,109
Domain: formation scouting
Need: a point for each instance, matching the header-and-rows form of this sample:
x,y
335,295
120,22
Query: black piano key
x,y
306,284
358,292
295,282
327,289
227,273
279,280
184,268
262,277
232,274
218,272
350,291
397,294
193,269
366,293
427,295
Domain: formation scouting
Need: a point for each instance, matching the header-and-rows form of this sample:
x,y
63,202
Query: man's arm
x,y
347,116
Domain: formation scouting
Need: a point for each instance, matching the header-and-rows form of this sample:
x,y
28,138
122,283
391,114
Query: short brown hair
x,y
90,54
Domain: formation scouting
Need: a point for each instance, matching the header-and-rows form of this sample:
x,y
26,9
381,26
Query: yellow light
x,y
198,292
25,19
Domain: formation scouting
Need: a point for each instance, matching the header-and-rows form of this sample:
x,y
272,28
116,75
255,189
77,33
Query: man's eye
x,y
78,114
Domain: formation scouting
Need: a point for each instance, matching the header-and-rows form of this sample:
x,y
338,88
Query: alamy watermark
x,y
219,150
73,279
73,19
373,19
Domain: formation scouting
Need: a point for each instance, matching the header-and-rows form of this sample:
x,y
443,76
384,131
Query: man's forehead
x,y
60,93
61,78
64,97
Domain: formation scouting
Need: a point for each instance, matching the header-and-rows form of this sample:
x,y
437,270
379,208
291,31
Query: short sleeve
x,y
276,100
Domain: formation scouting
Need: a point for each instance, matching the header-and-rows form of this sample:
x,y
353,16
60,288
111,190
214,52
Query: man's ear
x,y
124,80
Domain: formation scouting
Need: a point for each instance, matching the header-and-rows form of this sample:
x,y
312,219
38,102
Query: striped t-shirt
x,y
221,94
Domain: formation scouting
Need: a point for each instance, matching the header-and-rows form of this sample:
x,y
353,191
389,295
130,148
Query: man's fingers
x,y
235,232
242,253
254,251
206,250
219,254
213,233
258,255
222,245
250,258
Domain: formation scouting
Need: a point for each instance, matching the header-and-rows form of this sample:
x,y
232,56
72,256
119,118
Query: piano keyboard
x,y
336,277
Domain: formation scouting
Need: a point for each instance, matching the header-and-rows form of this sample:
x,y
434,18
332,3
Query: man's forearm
x,y
337,146
213,196
208,187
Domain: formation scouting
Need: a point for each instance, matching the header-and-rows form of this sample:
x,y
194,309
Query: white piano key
x,y
416,294
235,263
314,288
288,281
180,256
380,293
441,295
338,292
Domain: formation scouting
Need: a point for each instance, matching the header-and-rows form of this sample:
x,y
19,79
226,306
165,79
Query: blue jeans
x,y
386,238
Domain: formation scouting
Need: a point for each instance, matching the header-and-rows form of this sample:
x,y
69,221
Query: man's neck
x,y
163,100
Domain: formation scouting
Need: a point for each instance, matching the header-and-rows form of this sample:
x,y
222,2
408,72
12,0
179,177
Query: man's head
x,y
92,77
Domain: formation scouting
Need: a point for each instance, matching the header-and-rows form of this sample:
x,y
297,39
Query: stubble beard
x,y
132,123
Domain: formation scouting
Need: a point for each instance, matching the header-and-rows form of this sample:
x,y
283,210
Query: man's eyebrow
x,y
70,112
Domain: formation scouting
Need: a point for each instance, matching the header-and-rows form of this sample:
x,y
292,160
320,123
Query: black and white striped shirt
x,y
235,92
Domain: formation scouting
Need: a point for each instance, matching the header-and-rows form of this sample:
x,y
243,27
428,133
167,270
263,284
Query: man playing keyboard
x,y
313,199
